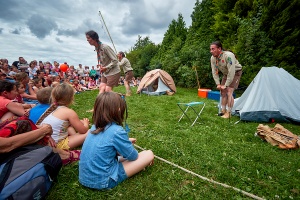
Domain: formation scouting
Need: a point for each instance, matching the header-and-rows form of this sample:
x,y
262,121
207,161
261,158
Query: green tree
x,y
280,19
141,54
168,57
195,52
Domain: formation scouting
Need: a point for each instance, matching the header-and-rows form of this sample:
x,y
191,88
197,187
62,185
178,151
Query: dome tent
x,y
156,82
273,95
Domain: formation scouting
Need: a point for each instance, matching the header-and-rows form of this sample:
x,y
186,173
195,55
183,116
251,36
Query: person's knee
x,y
149,154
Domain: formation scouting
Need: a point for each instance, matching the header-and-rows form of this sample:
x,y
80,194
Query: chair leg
x,y
184,113
198,114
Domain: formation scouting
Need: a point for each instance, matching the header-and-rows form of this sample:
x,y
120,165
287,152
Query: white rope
x,y
206,179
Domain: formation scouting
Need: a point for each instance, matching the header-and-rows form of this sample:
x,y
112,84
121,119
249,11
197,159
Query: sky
x,y
54,30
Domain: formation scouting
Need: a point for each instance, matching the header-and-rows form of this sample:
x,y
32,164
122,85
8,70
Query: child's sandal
x,y
72,159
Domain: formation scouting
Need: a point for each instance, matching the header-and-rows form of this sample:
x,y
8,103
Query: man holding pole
x,y
107,61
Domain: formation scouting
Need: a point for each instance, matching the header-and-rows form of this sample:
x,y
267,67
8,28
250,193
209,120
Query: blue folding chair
x,y
191,105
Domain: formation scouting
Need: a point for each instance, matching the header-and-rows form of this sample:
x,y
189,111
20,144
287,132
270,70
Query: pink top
x,y
19,99
3,103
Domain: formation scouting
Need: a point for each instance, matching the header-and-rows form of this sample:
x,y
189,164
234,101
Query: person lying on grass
x,y
108,156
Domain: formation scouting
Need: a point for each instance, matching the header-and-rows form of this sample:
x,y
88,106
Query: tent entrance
x,y
157,87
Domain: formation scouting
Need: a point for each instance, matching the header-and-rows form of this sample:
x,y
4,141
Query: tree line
x,y
261,33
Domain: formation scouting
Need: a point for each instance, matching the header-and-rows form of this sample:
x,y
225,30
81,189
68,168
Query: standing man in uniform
x,y
108,62
226,63
128,71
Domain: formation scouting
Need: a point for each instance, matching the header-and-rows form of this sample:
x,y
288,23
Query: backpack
x,y
28,172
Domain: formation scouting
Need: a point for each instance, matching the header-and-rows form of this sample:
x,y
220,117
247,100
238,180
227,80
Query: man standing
x,y
225,62
108,62
128,71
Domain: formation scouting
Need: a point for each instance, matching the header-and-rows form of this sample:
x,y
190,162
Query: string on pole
x,y
107,31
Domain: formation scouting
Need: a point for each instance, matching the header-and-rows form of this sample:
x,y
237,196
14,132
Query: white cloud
x,y
54,30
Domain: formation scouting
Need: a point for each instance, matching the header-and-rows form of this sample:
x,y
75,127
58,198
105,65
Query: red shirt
x,y
3,103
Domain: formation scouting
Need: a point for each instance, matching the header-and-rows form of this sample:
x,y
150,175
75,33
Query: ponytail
x,y
46,113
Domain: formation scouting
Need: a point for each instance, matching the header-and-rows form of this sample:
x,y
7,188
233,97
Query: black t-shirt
x,y
15,63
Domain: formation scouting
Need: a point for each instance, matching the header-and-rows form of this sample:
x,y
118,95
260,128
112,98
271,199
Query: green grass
x,y
215,148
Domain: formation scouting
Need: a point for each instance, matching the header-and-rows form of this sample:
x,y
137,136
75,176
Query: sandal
x,y
74,156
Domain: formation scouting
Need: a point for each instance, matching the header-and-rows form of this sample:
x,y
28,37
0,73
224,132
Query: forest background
x,y
261,33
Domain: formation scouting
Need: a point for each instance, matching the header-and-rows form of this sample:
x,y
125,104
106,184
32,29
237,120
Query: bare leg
x,y
144,159
127,87
230,97
224,100
71,131
62,153
7,115
108,88
76,140
229,101
102,87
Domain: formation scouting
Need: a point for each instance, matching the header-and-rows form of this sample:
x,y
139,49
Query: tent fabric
x,y
157,77
273,95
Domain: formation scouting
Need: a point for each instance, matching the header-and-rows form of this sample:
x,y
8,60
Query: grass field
x,y
215,148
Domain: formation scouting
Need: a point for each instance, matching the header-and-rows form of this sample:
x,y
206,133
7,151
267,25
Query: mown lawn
x,y
215,148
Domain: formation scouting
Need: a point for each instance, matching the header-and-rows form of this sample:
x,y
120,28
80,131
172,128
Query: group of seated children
x,y
108,156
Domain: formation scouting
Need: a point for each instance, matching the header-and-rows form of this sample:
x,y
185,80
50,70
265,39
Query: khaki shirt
x,y
125,64
227,64
108,59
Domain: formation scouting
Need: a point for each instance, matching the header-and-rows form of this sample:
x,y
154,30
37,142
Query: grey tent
x,y
273,95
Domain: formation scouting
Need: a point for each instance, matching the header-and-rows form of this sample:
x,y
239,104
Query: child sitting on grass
x,y
61,117
19,98
37,84
44,97
108,156
92,84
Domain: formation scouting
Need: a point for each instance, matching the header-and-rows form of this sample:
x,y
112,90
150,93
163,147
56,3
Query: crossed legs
x,y
144,159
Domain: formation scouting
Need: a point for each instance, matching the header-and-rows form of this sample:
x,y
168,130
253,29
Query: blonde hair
x,y
61,95
21,76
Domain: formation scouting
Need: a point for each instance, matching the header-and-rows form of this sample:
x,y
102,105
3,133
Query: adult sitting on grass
x,y
108,156
10,143
8,108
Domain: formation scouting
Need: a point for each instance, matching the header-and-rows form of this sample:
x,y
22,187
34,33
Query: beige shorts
x,y
236,80
128,76
64,144
112,80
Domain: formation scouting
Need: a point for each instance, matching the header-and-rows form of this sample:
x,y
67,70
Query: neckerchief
x,y
218,59
99,51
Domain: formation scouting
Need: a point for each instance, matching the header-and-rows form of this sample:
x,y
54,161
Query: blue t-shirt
x,y
36,112
98,159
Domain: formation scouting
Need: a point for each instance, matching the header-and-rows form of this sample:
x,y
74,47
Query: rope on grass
x,y
206,179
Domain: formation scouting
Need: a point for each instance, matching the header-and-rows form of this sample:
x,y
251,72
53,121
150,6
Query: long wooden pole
x,y
197,77
108,32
